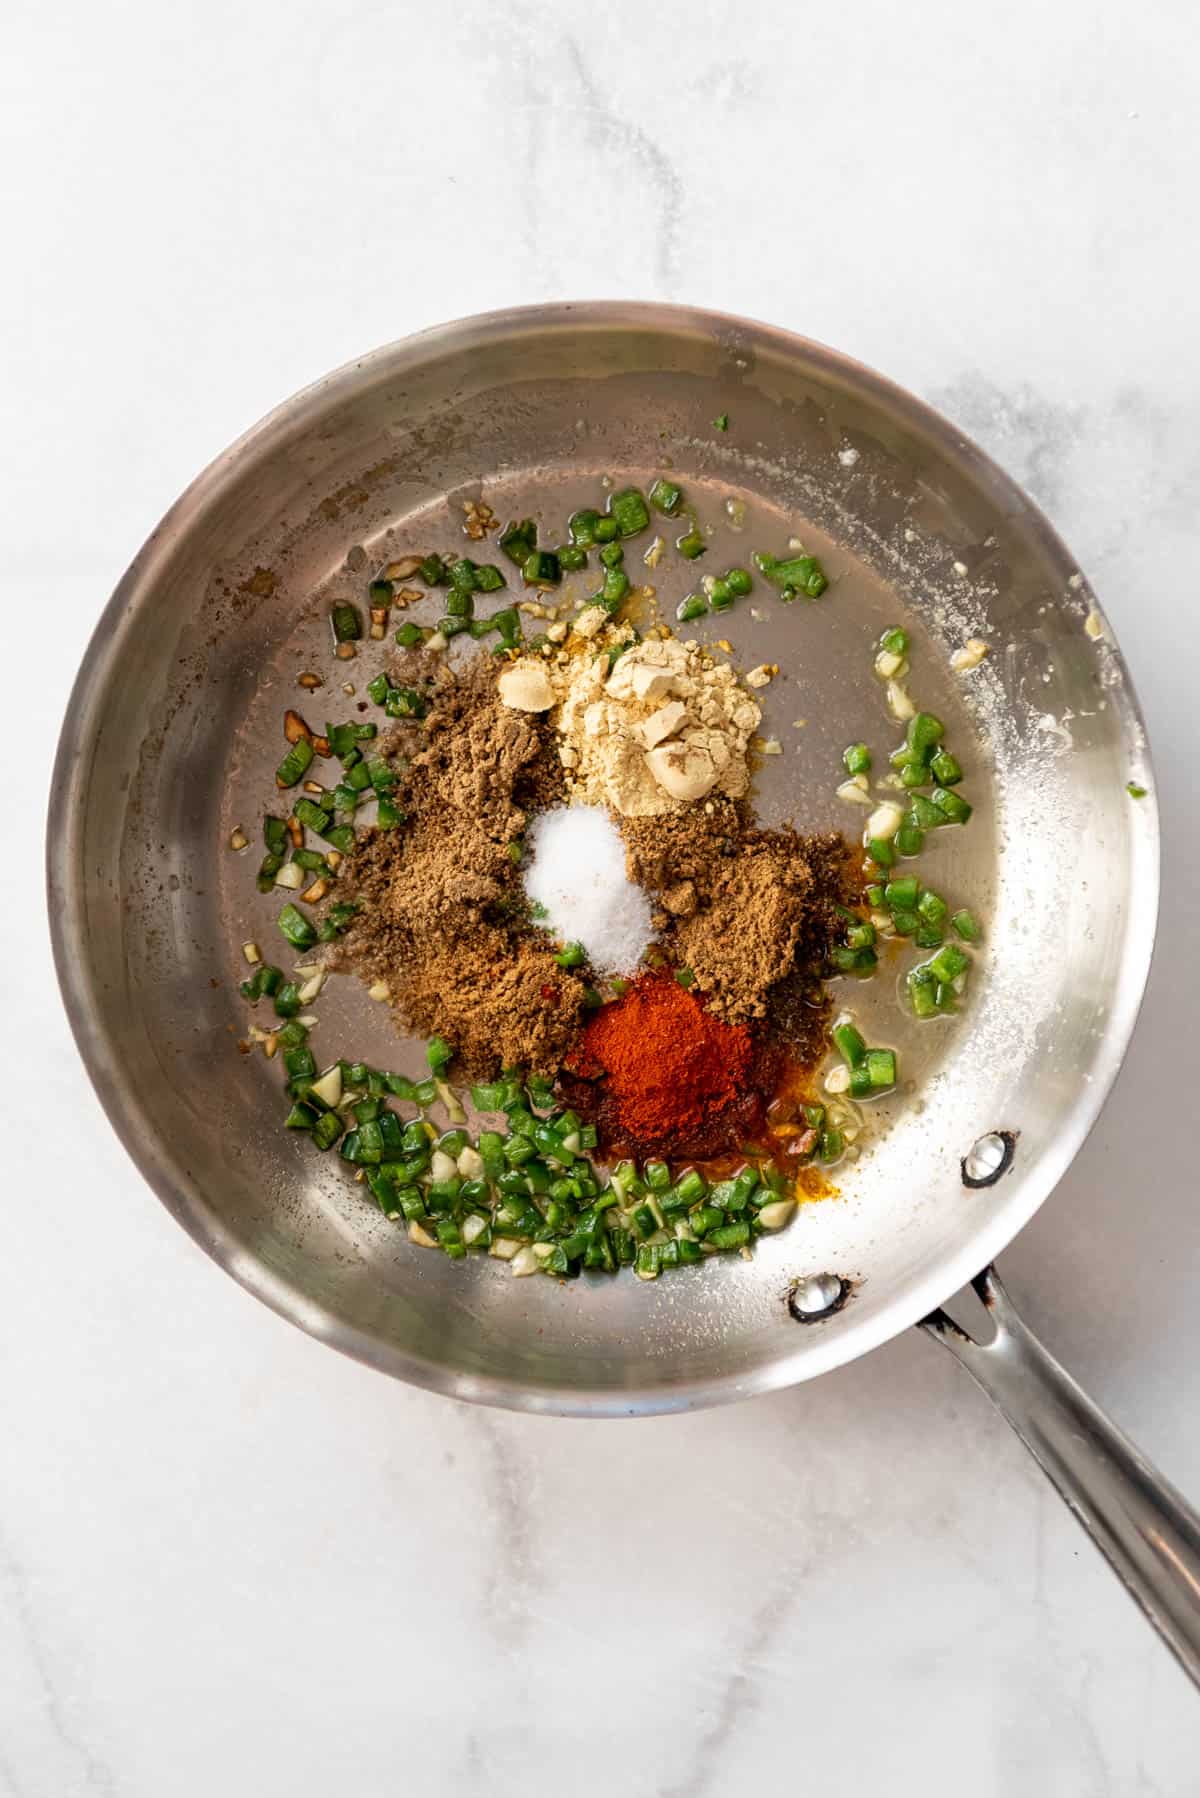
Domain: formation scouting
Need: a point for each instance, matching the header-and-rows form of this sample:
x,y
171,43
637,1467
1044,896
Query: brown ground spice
x,y
443,917
751,912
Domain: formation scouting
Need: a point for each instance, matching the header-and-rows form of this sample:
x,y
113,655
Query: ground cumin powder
x,y
751,912
443,918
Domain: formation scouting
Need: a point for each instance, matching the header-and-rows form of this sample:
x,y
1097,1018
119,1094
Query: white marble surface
x,y
229,1560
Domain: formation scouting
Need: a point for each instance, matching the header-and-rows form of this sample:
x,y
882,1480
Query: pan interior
x,y
175,730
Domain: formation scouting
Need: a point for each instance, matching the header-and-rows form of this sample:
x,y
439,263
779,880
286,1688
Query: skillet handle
x,y
1148,1533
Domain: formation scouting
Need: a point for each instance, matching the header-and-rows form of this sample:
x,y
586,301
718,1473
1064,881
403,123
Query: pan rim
x,y
187,1204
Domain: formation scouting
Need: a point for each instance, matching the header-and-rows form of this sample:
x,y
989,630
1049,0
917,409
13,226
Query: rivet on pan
x,y
815,1296
988,1158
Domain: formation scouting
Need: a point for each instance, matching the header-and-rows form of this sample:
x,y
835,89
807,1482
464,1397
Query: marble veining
x,y
606,130
40,1698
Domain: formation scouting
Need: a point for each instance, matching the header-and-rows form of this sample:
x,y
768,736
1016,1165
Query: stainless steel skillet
x,y
173,730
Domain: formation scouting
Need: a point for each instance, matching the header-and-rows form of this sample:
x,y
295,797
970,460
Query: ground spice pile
x,y
661,1076
442,916
752,913
676,1067
661,727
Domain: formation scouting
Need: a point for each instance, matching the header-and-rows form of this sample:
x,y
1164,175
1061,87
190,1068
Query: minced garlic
x,y
969,656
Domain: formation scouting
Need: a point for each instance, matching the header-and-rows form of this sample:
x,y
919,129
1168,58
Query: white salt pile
x,y
578,875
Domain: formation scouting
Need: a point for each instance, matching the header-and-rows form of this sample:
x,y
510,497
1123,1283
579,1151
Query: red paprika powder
x,y
661,1076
